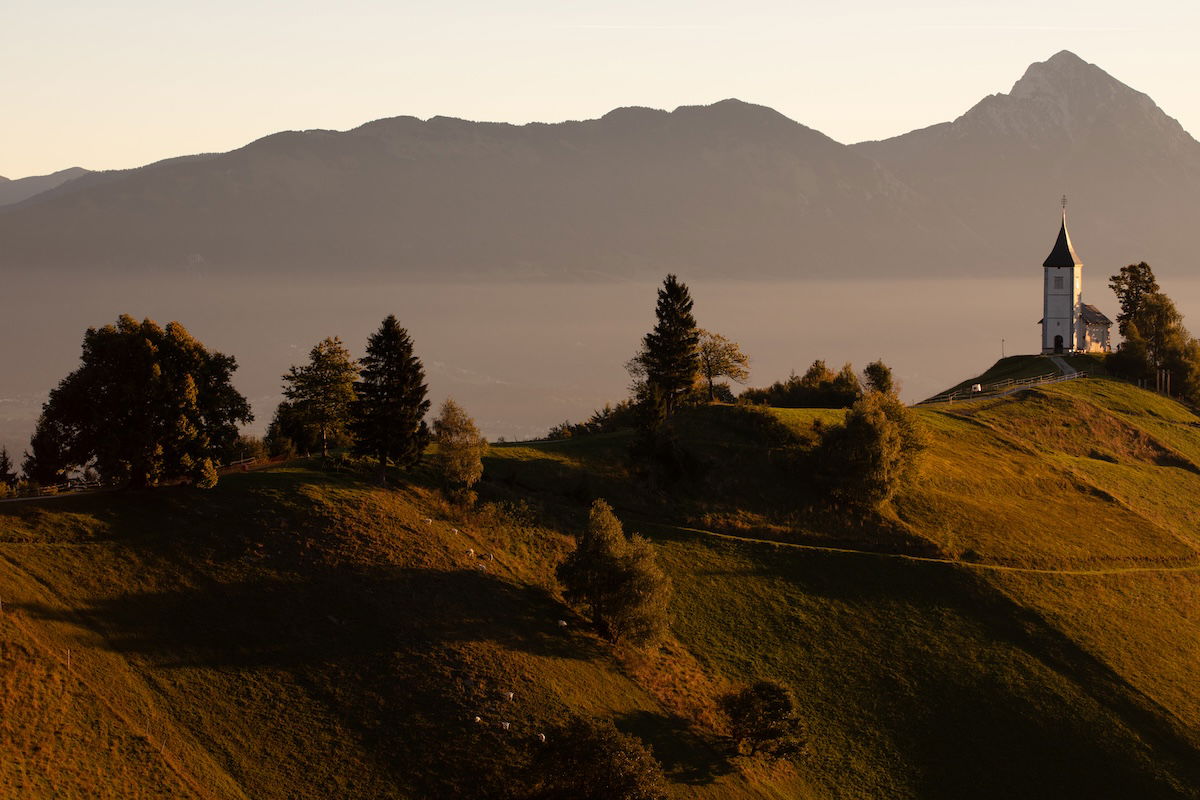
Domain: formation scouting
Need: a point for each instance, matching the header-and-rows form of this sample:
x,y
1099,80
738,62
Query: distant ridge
x,y
729,189
14,191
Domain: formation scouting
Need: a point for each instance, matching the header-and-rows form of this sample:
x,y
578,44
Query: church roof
x,y
1063,254
1093,316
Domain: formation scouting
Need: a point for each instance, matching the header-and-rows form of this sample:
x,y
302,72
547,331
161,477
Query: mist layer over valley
x,y
524,356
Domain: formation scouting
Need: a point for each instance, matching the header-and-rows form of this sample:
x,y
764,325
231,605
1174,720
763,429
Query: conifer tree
x,y
460,449
147,404
8,476
388,413
668,363
321,391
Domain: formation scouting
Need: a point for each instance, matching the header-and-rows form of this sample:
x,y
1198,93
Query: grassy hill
x,y
1021,623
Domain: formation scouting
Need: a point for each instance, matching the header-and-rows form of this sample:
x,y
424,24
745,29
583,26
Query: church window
x,y
1058,284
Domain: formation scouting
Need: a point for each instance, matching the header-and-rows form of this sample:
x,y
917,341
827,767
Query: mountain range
x,y
14,191
730,189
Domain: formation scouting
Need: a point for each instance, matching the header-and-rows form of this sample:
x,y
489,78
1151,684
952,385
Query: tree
x,y
8,475
146,404
871,455
589,759
1131,285
764,716
460,448
844,389
321,391
721,358
618,581
388,413
878,377
288,434
1155,337
666,367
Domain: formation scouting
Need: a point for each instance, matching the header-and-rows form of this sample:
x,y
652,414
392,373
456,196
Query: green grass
x,y
296,633
1030,366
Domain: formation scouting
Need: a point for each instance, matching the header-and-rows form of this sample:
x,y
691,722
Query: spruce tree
x,y
8,476
321,391
669,361
388,413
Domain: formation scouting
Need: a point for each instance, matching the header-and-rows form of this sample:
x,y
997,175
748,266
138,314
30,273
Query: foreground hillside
x,y
1020,624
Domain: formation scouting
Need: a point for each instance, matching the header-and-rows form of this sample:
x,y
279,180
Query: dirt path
x,y
927,559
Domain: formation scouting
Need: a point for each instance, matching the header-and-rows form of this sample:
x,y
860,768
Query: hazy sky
x,y
118,84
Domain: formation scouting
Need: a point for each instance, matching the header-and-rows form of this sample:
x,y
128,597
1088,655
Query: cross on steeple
x,y
1064,202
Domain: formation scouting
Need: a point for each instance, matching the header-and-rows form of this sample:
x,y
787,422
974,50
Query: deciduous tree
x,y
617,580
1131,285
878,377
146,404
321,391
388,413
721,358
589,759
764,716
869,457
460,448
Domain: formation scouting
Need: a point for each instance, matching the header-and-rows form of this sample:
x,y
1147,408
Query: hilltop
x,y
1019,624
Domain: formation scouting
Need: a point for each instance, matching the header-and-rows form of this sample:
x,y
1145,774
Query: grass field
x,y
300,633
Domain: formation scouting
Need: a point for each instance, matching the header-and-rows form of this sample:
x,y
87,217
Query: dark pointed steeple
x,y
1063,254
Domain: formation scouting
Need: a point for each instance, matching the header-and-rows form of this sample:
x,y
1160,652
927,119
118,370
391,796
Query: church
x,y
1069,325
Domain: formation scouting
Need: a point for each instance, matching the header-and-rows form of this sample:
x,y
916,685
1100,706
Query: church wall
x,y
1061,308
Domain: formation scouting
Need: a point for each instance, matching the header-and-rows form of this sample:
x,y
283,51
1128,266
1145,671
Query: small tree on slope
x,y
871,455
618,581
764,717
589,759
460,449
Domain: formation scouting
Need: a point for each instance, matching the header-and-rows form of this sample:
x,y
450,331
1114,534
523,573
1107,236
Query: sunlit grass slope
x,y
1053,647
1021,623
295,634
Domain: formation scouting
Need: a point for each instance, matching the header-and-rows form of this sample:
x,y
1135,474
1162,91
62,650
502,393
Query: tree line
x,y
150,405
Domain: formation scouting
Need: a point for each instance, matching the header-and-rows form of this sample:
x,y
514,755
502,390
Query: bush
x,y
588,759
764,717
819,387
618,581
868,458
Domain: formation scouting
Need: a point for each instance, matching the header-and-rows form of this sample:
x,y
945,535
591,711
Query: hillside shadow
x,y
685,756
327,617
1043,749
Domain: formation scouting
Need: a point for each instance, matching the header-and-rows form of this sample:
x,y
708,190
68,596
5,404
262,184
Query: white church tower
x,y
1068,324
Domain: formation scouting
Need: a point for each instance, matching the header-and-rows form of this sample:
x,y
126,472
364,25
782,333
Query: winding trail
x,y
926,559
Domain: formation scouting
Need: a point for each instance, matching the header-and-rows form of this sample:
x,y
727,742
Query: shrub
x,y
589,759
618,581
866,459
764,717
